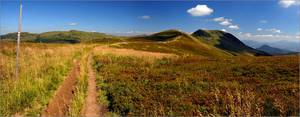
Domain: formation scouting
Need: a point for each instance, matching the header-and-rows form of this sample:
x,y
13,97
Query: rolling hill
x,y
202,42
25,36
172,41
226,41
72,36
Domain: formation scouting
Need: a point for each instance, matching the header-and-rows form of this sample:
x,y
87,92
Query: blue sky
x,y
258,20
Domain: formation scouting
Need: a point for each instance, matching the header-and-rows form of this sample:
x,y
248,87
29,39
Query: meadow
x,y
195,85
131,83
43,68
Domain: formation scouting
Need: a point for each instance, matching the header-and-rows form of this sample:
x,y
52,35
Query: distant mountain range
x,y
286,45
275,51
72,36
201,42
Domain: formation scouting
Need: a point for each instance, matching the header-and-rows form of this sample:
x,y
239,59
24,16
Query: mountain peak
x,y
166,35
225,41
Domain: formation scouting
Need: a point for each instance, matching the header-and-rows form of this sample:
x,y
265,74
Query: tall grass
x,y
42,69
192,85
80,94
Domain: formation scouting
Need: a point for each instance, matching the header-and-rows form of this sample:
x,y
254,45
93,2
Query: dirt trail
x,y
59,104
91,107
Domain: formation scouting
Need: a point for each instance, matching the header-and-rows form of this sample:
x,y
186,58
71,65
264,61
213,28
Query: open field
x,y
135,82
115,58
196,85
43,69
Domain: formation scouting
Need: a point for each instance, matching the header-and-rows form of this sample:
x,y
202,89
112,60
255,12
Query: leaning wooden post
x,y
18,41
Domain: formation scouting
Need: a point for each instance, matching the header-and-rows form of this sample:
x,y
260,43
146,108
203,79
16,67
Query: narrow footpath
x,y
60,103
92,108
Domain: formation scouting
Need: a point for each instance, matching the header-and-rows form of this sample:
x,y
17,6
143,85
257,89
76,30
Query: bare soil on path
x,y
60,103
91,107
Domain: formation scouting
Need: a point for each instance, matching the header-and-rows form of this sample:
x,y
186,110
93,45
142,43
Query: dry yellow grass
x,y
131,52
42,69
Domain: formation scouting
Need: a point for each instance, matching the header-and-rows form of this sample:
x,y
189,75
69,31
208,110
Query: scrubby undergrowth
x,y
200,86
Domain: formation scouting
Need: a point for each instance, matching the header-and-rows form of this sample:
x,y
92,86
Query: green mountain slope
x,y
72,36
226,41
26,36
173,41
202,42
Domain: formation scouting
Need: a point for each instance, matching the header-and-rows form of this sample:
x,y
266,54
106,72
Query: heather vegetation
x,y
194,85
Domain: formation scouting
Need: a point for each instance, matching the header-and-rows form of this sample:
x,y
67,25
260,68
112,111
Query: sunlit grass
x,y
196,85
42,69
80,93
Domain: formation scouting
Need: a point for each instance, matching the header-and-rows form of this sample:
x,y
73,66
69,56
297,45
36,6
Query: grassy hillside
x,y
199,82
172,41
212,43
225,41
71,36
25,36
200,86
74,36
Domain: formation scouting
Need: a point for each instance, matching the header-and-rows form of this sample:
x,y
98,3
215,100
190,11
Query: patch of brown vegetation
x,y
59,105
131,52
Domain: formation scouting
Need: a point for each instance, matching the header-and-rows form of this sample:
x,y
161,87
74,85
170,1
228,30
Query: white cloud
x,y
267,37
247,34
263,21
225,22
130,33
259,29
234,27
145,17
73,24
219,19
288,3
274,30
200,10
263,35
224,30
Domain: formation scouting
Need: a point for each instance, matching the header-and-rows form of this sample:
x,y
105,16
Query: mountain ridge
x,y
201,42
71,36
225,41
274,51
